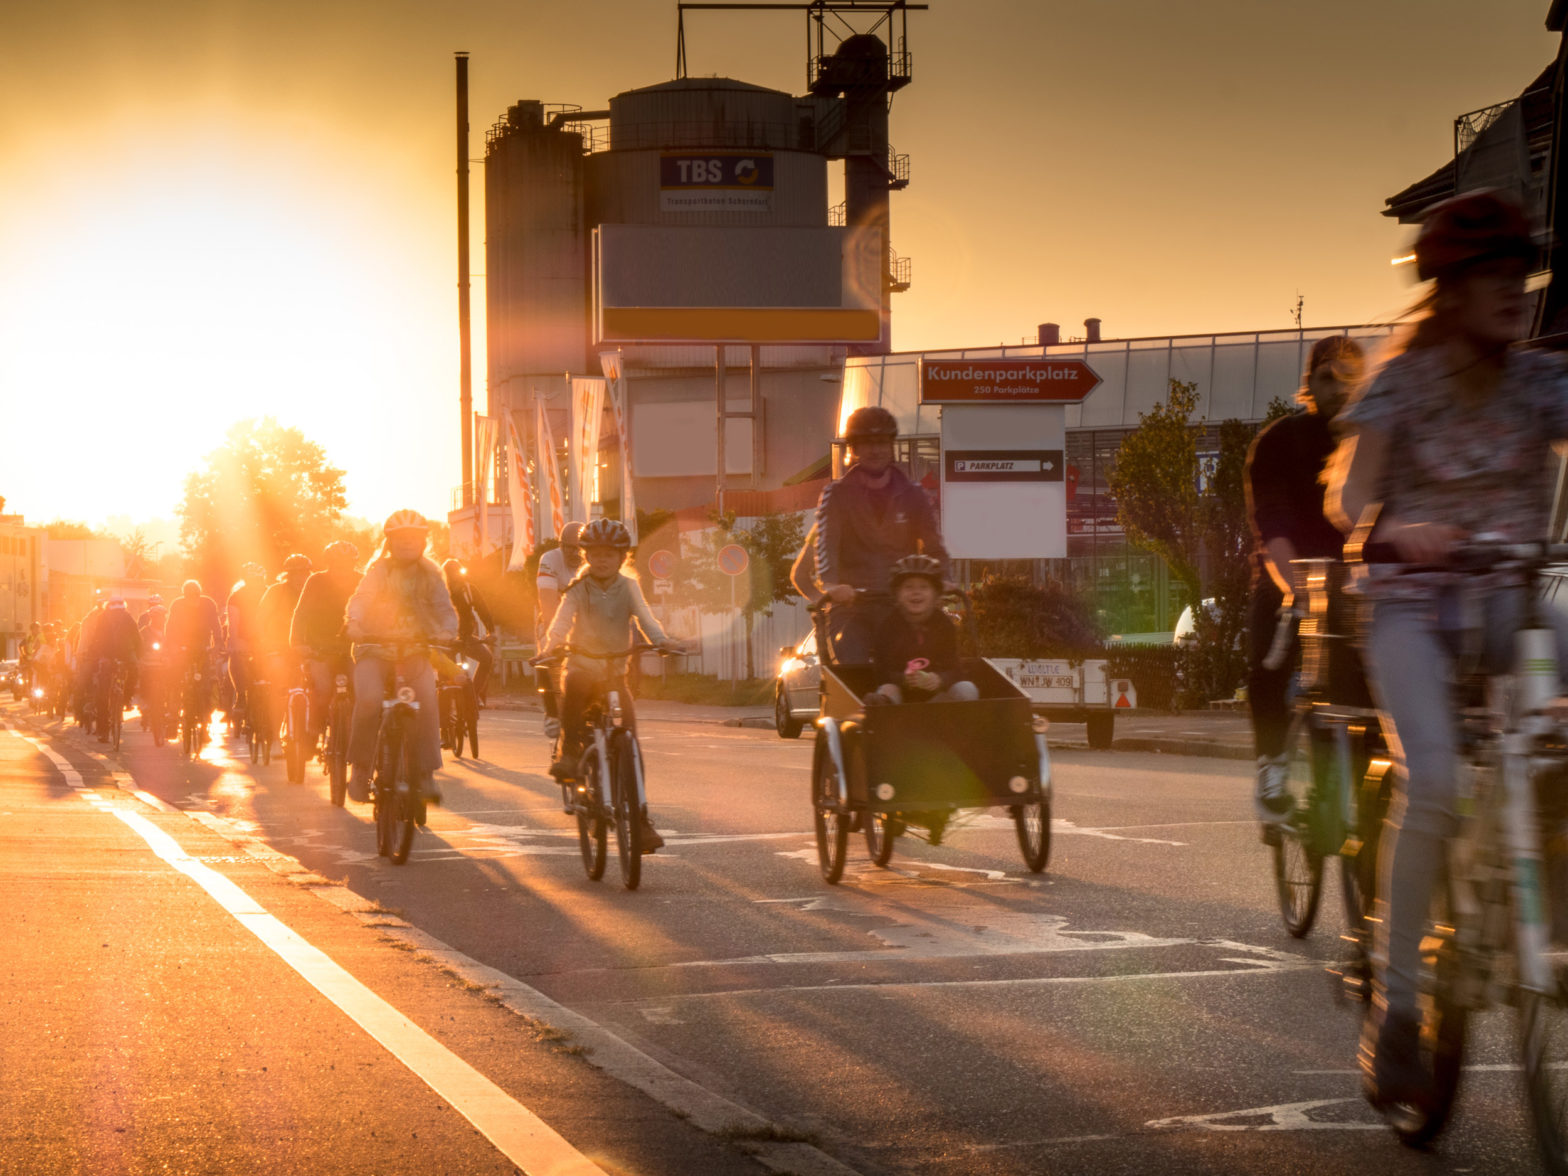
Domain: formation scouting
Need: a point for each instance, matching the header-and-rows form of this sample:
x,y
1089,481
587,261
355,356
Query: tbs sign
x,y
690,182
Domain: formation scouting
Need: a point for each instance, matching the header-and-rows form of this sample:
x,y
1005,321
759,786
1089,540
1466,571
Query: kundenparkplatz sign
x,y
1004,431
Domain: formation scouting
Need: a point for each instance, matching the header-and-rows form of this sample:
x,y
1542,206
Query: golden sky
x,y
219,210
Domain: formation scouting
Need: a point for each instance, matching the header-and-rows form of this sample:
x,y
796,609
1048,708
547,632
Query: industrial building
x,y
683,236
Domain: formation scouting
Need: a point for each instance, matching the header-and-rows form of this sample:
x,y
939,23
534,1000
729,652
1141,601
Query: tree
x,y
1195,518
265,493
771,544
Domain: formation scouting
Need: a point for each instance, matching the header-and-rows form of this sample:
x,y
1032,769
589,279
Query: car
x,y
11,678
795,698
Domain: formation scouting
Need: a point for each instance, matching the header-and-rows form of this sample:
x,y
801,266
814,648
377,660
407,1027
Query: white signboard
x,y
1004,490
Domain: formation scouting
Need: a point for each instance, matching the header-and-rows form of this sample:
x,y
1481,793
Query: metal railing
x,y
1469,127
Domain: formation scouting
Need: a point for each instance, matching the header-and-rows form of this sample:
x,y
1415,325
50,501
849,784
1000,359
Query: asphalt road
x,y
1136,1008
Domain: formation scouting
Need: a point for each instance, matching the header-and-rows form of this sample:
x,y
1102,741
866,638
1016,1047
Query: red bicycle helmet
x,y
1484,225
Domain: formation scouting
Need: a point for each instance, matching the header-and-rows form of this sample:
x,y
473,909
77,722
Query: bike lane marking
x,y
519,1134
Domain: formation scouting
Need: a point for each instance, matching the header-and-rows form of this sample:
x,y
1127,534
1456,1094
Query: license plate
x,y
1047,681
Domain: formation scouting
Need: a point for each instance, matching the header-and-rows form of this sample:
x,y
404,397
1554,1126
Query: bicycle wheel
x,y
337,752
116,719
405,804
831,820
468,712
1032,822
294,750
881,830
625,777
592,827
1298,857
1442,1039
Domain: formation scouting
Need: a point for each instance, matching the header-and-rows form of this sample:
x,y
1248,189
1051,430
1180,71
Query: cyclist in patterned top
x,y
1451,439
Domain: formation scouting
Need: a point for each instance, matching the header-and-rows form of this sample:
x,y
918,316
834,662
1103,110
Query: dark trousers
x,y
852,630
579,687
1268,690
480,652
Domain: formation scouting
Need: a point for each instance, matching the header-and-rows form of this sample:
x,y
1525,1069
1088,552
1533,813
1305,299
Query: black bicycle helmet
x,y
916,565
868,422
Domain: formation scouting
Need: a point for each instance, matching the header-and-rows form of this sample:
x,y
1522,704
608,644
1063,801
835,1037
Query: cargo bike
x,y
910,768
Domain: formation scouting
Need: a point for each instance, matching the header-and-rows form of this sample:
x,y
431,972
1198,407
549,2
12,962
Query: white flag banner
x,y
521,492
484,456
623,435
587,412
550,472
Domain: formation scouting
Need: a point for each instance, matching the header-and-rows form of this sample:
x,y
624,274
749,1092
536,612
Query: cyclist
x,y
154,616
274,612
1285,508
27,652
151,625
115,642
596,615
240,609
557,568
81,687
316,630
401,601
472,612
1451,439
866,521
193,635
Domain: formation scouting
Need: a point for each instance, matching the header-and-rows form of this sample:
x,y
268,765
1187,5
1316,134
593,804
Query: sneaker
x,y
552,728
651,841
1392,1069
1272,796
359,784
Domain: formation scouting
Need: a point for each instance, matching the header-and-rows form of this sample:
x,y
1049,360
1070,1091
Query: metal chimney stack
x,y
1050,333
1091,330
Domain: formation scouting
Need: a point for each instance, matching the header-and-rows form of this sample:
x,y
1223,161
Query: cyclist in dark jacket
x,y
316,634
866,522
472,612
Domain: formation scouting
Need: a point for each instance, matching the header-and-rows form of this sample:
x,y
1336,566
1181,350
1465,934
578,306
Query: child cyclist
x,y
595,616
915,652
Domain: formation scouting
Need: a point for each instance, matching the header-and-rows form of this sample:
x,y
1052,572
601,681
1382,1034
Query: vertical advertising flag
x,y
550,472
587,412
623,436
484,446
520,486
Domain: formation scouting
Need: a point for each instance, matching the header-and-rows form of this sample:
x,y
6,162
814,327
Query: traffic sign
x,y
661,564
1005,381
662,587
732,559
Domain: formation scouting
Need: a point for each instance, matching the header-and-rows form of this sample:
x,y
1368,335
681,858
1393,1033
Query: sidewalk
x,y
1218,734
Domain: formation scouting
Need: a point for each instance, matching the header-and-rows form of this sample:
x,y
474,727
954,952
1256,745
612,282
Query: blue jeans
x,y
1413,653
372,680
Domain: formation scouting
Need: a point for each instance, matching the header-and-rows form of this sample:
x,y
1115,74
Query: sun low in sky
x,y
245,208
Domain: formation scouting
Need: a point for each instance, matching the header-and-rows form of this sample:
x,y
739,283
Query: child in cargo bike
x,y
915,653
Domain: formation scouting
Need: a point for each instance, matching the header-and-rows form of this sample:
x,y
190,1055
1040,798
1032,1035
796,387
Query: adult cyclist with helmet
x,y
595,617
316,636
472,614
866,521
558,567
274,613
194,637
400,608
240,612
1451,439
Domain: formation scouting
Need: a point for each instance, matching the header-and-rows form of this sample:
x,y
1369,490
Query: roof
x,y
1409,205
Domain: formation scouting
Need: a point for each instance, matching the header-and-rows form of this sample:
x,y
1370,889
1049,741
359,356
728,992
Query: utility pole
x,y
465,376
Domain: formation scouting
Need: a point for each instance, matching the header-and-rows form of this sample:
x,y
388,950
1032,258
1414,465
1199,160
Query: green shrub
x,y
1156,671
1016,618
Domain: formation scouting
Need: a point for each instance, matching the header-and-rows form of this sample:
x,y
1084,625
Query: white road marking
x,y
519,1134
1282,1117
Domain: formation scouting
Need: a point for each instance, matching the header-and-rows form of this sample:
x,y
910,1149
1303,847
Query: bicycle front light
x,y
405,695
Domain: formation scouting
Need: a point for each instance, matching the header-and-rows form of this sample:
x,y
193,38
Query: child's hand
x,y
923,680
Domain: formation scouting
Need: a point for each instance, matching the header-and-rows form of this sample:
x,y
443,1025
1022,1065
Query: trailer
x,y
1072,691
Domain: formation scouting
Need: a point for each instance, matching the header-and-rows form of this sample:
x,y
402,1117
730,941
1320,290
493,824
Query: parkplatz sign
x,y
1004,436
1005,381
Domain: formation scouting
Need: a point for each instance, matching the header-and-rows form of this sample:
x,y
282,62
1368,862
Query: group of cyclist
x,y
1448,440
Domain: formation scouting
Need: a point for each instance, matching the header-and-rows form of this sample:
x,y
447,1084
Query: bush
x,y
1016,618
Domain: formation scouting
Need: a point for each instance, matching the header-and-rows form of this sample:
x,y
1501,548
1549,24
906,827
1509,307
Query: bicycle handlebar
x,y
566,651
